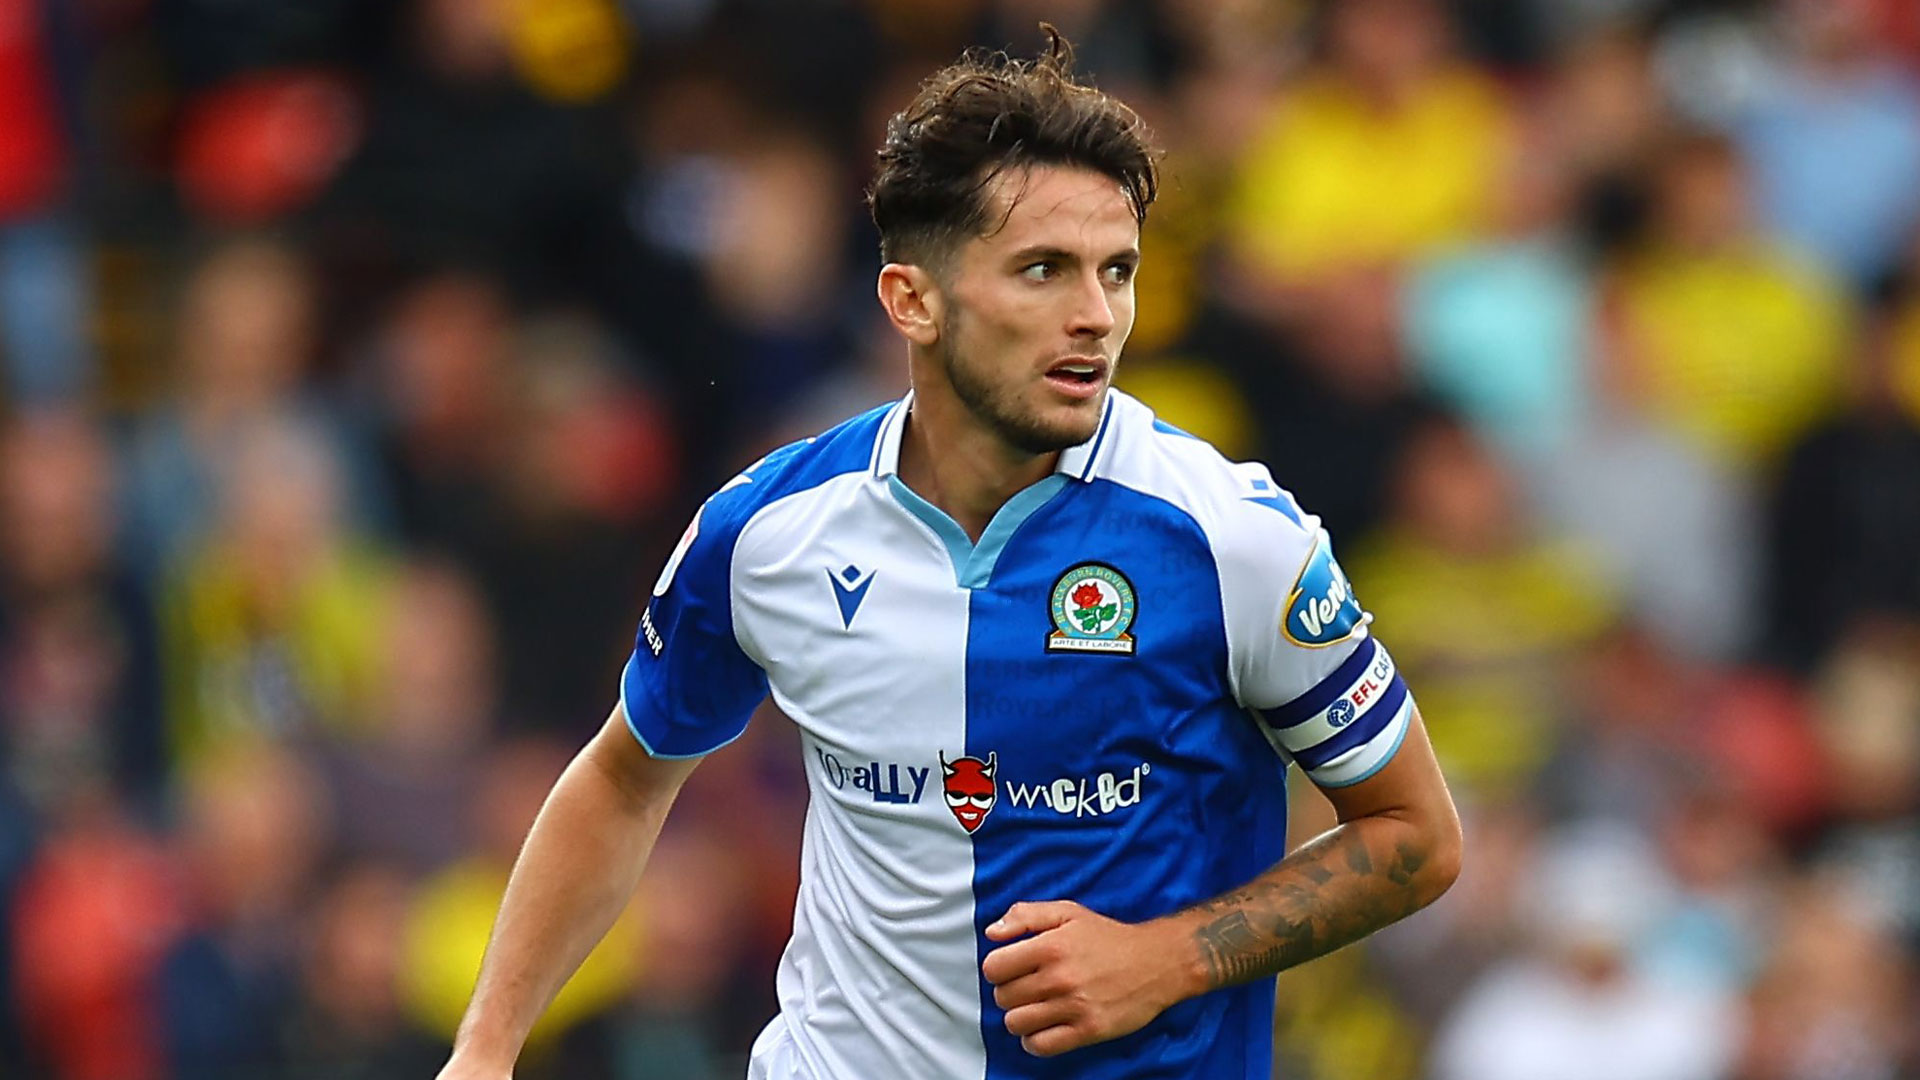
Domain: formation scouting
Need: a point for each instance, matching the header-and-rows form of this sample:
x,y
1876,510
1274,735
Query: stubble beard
x,y
997,406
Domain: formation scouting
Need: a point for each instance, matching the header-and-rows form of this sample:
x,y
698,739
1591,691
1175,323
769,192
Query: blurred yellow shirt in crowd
x,y
1741,350
1180,233
1195,397
240,660
1337,1021
1333,179
1484,643
446,936
570,51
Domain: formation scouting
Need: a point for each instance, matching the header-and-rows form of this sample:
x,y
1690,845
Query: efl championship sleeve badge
x,y
1093,609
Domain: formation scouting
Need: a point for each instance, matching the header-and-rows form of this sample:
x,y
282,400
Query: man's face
x,y
1039,309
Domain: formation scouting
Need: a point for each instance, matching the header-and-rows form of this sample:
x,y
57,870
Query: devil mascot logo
x,y
969,784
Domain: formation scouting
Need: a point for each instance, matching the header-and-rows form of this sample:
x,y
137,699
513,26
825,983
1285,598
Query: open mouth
x,y
1078,374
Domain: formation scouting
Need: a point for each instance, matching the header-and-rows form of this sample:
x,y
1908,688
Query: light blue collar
x,y
973,563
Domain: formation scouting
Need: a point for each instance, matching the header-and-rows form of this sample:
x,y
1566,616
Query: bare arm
x,y
1082,978
579,867
1396,849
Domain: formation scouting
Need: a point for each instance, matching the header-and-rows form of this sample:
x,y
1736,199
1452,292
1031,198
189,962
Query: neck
x,y
952,460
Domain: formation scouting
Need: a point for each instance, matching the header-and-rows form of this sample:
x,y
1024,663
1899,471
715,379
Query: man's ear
x,y
913,301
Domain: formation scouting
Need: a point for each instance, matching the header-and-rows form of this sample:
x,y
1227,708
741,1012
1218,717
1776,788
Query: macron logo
x,y
850,586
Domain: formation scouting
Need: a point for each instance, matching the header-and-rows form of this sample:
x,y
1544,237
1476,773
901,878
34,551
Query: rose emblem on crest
x,y
1090,608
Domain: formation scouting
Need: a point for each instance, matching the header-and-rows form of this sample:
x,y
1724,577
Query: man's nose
x,y
1092,311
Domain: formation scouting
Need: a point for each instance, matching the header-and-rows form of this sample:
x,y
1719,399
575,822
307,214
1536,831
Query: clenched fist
x,y
1072,977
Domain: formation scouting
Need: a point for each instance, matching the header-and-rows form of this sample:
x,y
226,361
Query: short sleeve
x,y
689,689
1304,657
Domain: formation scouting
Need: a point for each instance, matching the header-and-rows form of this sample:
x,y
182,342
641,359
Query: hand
x,y
1082,978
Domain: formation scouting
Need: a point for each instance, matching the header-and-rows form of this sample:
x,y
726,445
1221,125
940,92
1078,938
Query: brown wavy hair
x,y
983,115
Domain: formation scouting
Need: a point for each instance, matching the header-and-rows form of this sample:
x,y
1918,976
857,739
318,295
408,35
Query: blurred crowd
x,y
362,361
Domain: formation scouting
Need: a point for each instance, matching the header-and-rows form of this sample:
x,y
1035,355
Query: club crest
x,y
1093,609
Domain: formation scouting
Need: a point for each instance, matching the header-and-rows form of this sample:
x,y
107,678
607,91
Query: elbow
x,y
1446,844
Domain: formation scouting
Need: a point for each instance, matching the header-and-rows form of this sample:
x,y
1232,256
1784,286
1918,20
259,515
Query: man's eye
x,y
1119,273
1039,271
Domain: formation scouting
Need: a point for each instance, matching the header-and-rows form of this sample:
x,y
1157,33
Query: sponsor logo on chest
x,y
971,786
968,782
1083,797
884,782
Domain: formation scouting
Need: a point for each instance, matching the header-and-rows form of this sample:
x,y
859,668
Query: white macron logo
x,y
1082,798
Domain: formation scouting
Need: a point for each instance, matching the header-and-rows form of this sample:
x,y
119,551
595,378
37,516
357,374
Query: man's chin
x,y
1057,428
1040,438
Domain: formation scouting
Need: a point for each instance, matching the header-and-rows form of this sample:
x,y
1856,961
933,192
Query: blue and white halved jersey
x,y
1096,702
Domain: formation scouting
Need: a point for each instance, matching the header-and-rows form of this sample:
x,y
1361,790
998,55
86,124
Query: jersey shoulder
x,y
1234,502
704,555
1263,544
847,447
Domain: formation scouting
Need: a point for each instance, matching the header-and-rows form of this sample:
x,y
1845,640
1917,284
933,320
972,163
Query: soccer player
x,y
1050,659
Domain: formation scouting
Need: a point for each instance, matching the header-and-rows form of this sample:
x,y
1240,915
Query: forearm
x,y
1338,888
578,869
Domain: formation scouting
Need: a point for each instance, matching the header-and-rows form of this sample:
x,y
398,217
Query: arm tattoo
x,y
1328,894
